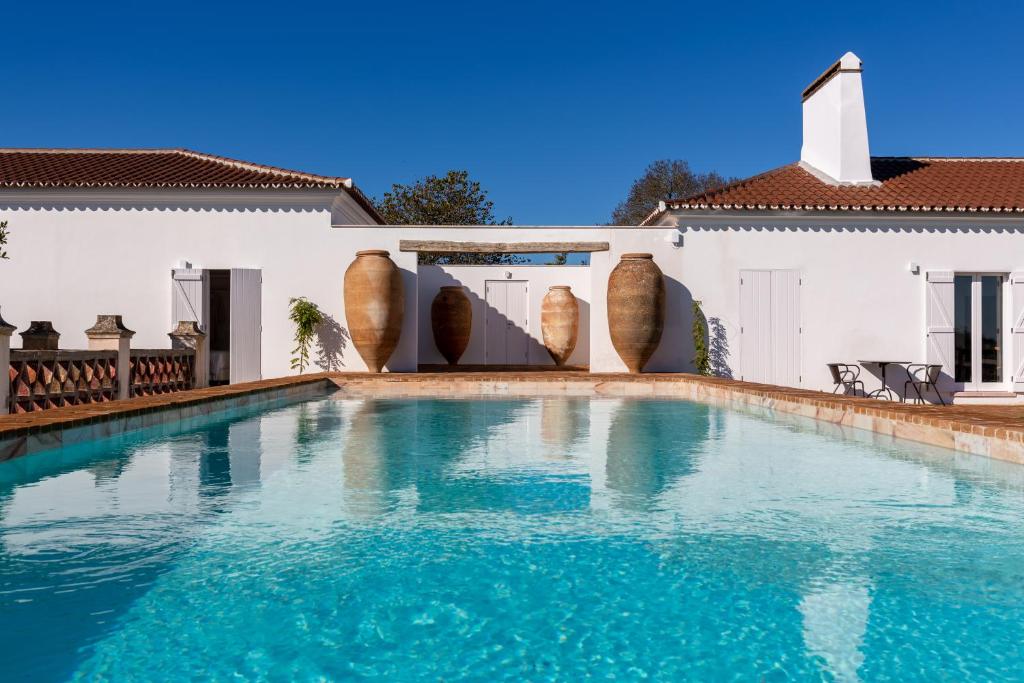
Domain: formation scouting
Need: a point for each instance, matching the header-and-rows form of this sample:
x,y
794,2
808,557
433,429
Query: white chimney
x,y
835,126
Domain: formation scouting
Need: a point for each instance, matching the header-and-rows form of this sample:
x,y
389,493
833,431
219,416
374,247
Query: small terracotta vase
x,y
560,322
636,309
374,304
451,320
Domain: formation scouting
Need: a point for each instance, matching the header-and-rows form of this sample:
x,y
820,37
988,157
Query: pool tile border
x,y
992,431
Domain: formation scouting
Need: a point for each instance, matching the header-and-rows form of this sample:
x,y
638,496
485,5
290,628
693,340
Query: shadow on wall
x,y
718,349
331,341
676,349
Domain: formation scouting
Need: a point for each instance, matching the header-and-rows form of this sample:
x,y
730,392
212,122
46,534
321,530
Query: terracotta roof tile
x,y
919,184
154,169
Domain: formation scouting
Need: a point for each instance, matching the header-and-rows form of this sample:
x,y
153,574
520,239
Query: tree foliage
x,y
662,180
451,199
3,239
307,317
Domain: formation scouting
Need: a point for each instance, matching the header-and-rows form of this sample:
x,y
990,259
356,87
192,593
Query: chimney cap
x,y
847,63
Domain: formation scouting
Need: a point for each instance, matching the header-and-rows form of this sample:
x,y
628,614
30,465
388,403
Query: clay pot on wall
x,y
374,303
560,322
451,320
636,309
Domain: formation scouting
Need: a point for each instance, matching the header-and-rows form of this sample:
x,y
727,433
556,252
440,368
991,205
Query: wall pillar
x,y
40,336
110,334
187,335
5,363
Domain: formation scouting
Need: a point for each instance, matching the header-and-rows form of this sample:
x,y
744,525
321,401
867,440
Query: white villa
x,y
838,257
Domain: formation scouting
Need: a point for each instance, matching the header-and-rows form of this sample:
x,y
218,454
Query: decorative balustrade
x,y
40,377
40,380
161,371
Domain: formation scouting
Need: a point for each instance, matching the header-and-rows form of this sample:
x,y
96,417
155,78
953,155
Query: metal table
x,y
882,364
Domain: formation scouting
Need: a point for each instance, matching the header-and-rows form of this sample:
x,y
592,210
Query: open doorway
x,y
220,327
227,304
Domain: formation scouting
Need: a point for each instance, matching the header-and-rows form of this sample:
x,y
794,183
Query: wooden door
x,y
506,327
246,325
770,327
190,297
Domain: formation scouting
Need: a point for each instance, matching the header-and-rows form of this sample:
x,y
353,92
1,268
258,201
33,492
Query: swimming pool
x,y
509,539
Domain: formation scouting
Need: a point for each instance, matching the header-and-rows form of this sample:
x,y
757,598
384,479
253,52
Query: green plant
x,y
3,239
701,360
307,316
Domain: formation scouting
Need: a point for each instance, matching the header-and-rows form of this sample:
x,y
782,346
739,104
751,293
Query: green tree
x,y
3,239
662,180
451,199
307,316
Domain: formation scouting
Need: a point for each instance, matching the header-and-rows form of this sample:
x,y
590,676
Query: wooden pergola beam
x,y
451,247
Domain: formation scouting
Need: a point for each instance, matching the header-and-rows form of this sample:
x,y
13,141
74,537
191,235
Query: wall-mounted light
x,y
675,238
914,268
508,274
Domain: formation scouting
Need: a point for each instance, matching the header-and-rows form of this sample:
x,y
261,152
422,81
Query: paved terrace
x,y
992,431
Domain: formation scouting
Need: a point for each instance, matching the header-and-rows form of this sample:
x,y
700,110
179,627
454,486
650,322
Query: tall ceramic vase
x,y
636,309
451,320
560,322
374,302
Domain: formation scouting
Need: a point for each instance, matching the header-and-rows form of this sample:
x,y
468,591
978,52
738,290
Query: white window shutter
x,y
190,297
1017,330
246,325
939,320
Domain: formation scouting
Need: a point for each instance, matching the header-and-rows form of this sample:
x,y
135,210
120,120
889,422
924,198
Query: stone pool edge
x,y
993,432
988,431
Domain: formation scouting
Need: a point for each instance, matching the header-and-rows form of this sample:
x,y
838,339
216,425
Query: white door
x,y
770,327
246,324
506,328
978,331
190,297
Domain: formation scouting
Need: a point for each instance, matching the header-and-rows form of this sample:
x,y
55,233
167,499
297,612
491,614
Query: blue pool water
x,y
546,539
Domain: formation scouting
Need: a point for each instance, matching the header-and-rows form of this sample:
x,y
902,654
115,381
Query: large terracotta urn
x,y
560,322
374,302
451,320
636,309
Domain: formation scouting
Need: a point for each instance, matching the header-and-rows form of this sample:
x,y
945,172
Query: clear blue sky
x,y
555,107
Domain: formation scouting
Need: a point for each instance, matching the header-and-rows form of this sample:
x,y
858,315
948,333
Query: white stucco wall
x,y
76,255
858,298
474,278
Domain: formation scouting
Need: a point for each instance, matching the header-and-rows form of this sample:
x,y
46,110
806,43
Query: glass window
x,y
991,332
962,314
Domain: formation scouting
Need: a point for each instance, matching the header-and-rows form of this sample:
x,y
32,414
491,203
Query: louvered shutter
x,y
1017,330
939,320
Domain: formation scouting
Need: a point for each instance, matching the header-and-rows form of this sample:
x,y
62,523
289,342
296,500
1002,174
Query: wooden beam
x,y
450,247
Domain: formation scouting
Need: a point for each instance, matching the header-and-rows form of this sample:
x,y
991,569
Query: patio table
x,y
882,364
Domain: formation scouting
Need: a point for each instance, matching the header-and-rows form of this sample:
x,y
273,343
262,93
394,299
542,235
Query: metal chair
x,y
922,376
845,376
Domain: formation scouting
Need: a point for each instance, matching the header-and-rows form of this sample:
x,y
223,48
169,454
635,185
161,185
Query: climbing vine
x,y
307,316
701,360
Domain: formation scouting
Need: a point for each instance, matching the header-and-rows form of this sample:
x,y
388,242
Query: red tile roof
x,y
917,184
154,169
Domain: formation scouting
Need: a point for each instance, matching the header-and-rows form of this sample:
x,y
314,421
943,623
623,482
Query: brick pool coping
x,y
991,431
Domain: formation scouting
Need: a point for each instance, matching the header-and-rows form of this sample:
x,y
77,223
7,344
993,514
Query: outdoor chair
x,y
845,378
922,376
